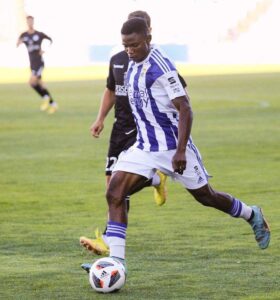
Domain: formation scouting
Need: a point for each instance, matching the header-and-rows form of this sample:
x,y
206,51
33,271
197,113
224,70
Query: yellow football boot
x,y
97,245
44,105
53,107
160,190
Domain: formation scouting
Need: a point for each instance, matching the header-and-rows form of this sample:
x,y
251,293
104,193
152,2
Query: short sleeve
x,y
172,84
111,84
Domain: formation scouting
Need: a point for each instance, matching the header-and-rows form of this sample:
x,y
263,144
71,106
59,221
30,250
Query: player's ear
x,y
149,38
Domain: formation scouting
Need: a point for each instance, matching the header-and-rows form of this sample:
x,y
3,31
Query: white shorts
x,y
146,163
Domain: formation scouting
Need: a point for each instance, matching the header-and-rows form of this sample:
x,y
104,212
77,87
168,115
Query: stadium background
x,y
207,35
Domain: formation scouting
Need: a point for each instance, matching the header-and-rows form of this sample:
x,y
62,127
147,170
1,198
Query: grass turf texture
x,y
52,191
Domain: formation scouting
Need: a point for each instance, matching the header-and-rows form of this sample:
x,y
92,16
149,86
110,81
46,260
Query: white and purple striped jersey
x,y
152,85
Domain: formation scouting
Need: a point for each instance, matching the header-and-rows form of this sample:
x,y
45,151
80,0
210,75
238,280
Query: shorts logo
x,y
198,173
200,179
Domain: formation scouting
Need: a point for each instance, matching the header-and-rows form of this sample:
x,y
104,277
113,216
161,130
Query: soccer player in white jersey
x,y
163,115
123,135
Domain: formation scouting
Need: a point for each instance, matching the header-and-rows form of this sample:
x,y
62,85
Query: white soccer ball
x,y
107,275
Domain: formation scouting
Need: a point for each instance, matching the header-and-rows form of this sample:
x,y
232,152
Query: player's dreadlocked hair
x,y
135,25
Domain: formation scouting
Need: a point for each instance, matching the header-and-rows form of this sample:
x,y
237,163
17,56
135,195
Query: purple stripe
x,y
165,124
149,128
164,60
122,236
239,210
160,62
170,130
235,208
116,229
139,134
117,224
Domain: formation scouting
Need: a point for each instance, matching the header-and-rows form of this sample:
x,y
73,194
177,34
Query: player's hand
x,y
179,162
96,128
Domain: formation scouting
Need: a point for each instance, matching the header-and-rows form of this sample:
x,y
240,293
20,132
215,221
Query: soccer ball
x,y
107,275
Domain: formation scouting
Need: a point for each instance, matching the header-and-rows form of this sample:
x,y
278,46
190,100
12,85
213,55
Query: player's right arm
x,y
20,40
107,102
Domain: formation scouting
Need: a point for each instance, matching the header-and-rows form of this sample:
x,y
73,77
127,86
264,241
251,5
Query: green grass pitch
x,y
52,189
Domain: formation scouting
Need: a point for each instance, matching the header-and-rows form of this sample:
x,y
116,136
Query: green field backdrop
x,y
52,189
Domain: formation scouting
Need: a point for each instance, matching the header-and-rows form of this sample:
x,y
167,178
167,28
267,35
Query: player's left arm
x,y
44,36
182,104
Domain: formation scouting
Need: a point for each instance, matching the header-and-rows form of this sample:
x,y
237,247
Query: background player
x,y
33,40
163,115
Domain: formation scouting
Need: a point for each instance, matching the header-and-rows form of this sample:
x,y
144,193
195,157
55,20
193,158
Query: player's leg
x,y
36,83
50,105
195,179
99,245
158,181
130,169
48,102
207,196
120,184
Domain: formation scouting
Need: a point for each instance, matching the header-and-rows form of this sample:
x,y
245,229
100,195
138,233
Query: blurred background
x,y
87,32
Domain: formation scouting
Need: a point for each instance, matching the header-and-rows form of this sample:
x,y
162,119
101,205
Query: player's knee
x,y
32,83
205,196
113,197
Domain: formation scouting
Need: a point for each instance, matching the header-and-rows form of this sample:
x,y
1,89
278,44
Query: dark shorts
x,y
37,68
119,141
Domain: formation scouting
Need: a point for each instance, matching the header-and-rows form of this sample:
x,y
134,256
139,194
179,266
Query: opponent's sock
x,y
127,198
43,92
116,234
240,210
47,95
38,89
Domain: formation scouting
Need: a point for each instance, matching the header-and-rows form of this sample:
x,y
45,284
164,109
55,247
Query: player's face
x,y
136,45
30,22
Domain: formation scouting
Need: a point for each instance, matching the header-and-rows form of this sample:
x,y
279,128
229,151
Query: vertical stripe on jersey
x,y
150,129
164,63
170,131
139,134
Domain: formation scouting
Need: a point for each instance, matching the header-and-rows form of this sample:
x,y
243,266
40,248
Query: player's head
x,y
136,38
30,21
141,14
